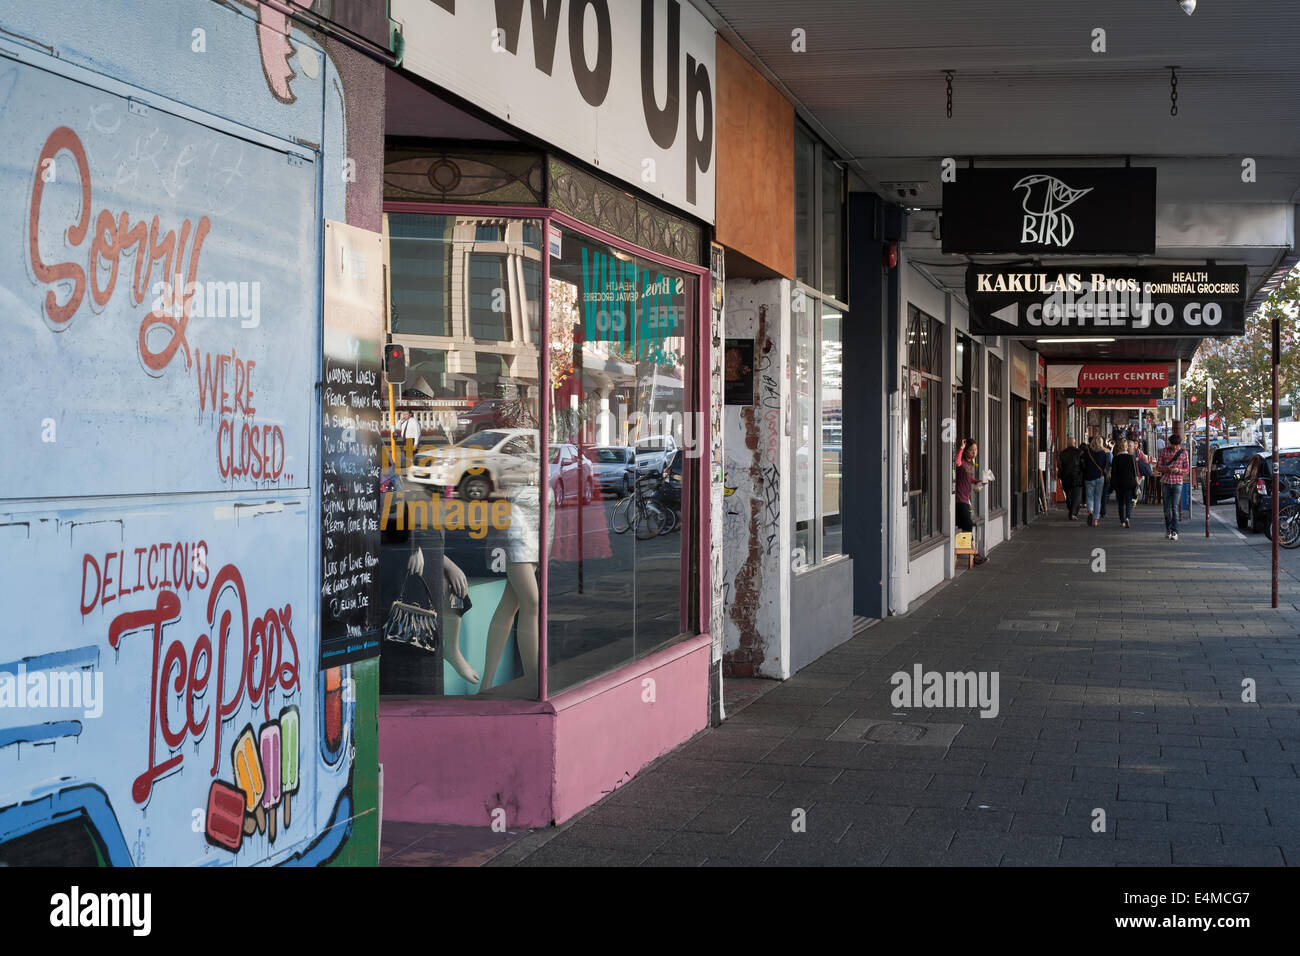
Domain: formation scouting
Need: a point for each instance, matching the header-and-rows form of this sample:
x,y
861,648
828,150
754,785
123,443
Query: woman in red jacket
x,y
967,474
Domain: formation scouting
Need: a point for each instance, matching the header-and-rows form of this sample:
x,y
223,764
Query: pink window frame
x,y
695,507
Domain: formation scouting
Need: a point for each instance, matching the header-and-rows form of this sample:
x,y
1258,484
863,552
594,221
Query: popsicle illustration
x,y
270,741
288,758
248,777
224,822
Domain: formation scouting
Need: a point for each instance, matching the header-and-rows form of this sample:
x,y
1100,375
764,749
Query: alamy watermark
x,y
80,689
959,689
211,299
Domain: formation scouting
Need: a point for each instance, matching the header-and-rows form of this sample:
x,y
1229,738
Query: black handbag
x,y
413,624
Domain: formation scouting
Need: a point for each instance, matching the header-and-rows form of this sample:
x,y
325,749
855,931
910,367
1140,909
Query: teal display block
x,y
484,595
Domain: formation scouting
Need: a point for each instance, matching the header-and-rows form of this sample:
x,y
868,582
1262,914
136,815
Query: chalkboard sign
x,y
350,445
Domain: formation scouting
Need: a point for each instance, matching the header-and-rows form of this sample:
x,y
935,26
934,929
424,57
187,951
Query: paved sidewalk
x,y
1119,692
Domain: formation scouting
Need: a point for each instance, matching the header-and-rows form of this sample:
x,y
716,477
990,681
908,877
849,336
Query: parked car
x,y
571,473
653,453
1227,465
672,485
1198,450
479,464
1254,502
615,468
486,414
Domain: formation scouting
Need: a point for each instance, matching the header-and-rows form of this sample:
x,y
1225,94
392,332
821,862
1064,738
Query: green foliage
x,y
1240,367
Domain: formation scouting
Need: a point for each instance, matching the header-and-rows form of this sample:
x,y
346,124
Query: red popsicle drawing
x,y
224,823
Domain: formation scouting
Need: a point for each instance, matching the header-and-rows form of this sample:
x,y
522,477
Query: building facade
x,y
170,185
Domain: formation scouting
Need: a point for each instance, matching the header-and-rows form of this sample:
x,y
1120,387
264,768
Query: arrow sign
x,y
1072,300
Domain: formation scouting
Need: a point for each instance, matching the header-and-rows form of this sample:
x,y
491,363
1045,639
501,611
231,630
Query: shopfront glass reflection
x,y
619,424
460,524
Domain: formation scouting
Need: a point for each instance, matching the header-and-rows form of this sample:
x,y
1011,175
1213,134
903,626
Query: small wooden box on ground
x,y
964,545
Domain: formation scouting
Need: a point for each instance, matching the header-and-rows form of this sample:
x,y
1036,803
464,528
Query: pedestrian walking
x,y
1148,483
1096,463
1105,486
1069,469
1124,476
408,430
1171,468
967,474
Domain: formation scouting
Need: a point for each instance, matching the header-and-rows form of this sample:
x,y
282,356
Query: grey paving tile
x,y
629,839
1252,835
960,820
794,853
1224,855
674,860
1099,851
994,849
716,846
573,855
1194,834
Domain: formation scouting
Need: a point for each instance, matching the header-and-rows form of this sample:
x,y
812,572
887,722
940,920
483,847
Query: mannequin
x,y
520,596
455,583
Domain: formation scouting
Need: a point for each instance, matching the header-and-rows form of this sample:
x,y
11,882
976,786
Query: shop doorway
x,y
1019,449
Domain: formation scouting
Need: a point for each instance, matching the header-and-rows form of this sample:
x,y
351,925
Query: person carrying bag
x,y
1096,466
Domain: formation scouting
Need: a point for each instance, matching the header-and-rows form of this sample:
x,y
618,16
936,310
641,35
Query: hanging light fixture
x,y
1189,6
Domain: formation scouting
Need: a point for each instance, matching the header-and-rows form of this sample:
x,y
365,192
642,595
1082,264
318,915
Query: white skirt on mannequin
x,y
525,520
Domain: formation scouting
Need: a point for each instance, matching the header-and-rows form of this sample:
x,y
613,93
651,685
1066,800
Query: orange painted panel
x,y
755,177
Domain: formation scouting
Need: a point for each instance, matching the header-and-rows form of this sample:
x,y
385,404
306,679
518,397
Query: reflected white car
x,y
652,453
487,461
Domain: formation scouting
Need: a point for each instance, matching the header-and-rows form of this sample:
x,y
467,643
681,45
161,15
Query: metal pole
x,y
392,431
1276,351
1208,496
1179,416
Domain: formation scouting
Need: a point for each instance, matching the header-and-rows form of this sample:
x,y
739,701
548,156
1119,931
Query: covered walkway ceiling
x,y
1028,89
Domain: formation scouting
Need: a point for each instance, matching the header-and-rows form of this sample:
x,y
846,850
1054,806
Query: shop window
x,y
620,352
832,432
459,515
805,438
924,379
419,254
997,428
533,292
805,197
818,430
819,231
832,227
620,359
966,404
489,308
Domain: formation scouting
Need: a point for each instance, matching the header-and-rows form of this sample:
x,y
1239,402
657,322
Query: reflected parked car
x,y
571,473
486,414
653,453
1227,466
615,468
476,466
1254,501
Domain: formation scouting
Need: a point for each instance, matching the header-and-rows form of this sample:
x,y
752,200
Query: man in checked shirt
x,y
1171,468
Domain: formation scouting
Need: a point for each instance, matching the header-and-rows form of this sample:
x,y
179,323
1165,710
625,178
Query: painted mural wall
x,y
163,186
756,448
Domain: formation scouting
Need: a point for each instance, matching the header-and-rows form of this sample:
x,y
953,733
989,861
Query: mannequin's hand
x,y
455,577
415,563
